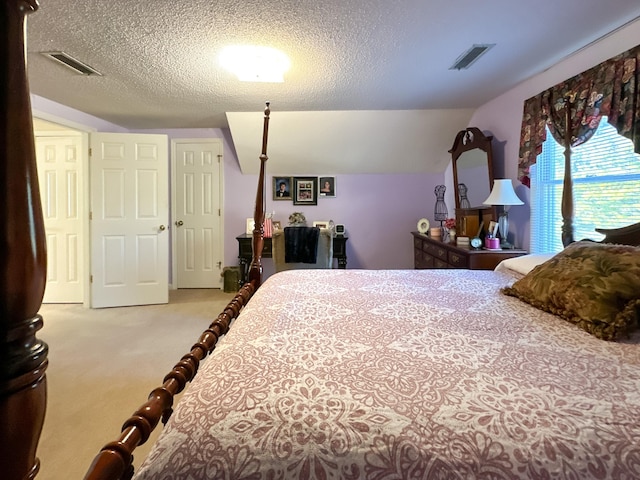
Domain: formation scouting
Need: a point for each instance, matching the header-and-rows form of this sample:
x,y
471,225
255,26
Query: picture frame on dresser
x,y
472,222
493,228
250,226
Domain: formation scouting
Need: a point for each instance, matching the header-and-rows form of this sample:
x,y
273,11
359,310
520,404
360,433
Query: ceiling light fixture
x,y
255,63
68,61
469,57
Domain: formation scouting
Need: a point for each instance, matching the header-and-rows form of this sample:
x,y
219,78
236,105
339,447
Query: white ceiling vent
x,y
68,61
469,57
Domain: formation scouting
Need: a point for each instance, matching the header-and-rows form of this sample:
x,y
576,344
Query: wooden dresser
x,y
434,253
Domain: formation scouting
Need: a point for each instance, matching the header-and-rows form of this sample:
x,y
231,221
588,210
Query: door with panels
x,y
129,219
197,218
60,160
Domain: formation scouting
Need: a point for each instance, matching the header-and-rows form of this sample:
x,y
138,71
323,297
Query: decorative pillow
x,y
594,285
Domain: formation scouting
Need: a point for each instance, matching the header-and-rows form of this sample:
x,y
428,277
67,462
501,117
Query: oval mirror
x,y
472,168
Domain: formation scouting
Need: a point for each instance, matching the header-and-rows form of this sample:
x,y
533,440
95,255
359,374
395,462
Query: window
x,y
606,188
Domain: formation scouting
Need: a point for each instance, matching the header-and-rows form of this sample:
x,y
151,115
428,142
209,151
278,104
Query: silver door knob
x,y
179,223
162,228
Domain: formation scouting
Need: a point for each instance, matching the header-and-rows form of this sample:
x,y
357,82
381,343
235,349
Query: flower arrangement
x,y
450,223
297,219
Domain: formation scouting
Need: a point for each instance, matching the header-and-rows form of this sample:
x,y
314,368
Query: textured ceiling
x,y
159,59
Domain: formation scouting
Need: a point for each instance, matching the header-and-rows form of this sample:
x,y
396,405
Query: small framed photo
x,y
277,225
305,190
493,228
282,188
250,225
321,224
327,186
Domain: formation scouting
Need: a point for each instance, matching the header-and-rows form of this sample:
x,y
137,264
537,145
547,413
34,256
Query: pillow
x,y
523,264
594,285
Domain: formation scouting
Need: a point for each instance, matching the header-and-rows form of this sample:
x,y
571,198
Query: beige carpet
x,y
102,365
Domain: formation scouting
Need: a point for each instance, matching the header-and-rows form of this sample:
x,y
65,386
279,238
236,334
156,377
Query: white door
x,y
130,213
198,213
60,174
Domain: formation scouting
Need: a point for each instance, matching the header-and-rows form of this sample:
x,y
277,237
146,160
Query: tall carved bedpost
x,y
255,269
567,186
23,358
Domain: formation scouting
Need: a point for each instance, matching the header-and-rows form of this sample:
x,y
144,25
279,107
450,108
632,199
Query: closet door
x,y
130,219
60,175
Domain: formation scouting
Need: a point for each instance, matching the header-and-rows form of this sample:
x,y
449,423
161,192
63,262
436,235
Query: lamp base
x,y
503,228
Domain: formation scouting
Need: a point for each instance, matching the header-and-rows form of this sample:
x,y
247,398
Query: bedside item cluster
x,y
432,252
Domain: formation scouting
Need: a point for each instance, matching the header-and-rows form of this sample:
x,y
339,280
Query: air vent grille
x,y
469,57
75,65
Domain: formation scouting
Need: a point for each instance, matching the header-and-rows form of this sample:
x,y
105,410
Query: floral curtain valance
x,y
610,88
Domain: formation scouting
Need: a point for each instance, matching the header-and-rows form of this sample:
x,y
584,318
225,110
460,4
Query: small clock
x,y
476,242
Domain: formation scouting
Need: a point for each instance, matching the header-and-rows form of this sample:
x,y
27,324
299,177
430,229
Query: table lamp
x,y
503,194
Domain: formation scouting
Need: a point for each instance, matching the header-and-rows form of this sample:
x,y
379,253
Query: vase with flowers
x,y
450,228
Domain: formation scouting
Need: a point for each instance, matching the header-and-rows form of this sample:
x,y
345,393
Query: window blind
x,y
606,188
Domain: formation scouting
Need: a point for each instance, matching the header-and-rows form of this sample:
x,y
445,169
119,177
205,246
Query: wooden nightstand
x,y
245,252
429,252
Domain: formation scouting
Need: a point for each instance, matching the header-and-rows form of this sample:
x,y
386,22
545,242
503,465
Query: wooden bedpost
x,y
22,258
567,190
255,269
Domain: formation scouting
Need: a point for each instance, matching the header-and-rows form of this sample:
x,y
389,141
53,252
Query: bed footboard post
x,y
23,358
255,269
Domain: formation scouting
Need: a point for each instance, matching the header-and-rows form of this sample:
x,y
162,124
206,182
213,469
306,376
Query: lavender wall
x,y
502,116
379,211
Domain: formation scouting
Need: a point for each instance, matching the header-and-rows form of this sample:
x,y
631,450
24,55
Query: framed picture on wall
x,y
305,190
327,186
282,188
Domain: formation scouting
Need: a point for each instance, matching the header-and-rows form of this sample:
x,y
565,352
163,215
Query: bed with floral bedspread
x,y
350,374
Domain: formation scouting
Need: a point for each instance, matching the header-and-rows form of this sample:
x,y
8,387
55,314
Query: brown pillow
x,y
594,285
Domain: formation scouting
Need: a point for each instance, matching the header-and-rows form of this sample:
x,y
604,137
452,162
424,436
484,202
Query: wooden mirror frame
x,y
466,140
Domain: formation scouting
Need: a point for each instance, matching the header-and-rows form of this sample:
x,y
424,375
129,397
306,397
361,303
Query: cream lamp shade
x,y
503,193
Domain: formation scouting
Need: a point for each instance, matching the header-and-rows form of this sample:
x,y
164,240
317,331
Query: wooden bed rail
x,y
114,462
23,357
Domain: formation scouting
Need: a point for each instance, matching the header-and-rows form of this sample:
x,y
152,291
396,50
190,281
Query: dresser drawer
x,y
435,250
433,253
422,260
457,260
440,264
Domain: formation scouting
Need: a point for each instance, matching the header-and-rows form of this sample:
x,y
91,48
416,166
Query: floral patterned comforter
x,y
350,374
